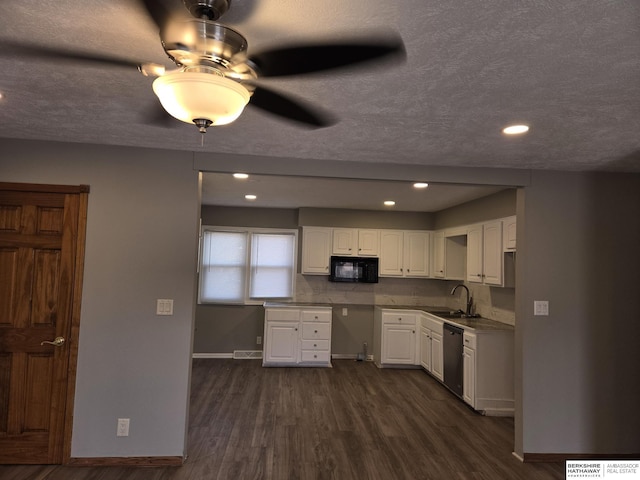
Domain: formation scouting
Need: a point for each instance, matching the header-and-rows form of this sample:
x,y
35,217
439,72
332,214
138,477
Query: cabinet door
x,y
368,243
509,233
281,343
474,254
492,253
425,348
416,254
436,356
391,253
469,376
438,255
316,250
398,344
344,241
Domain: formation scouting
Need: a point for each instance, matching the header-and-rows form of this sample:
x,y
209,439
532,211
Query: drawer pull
x,y
315,344
315,331
315,356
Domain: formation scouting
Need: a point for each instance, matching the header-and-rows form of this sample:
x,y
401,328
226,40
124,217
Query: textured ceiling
x,y
570,69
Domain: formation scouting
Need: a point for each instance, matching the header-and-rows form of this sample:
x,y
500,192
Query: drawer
x,y
310,356
283,314
315,344
469,340
312,331
316,316
431,324
399,318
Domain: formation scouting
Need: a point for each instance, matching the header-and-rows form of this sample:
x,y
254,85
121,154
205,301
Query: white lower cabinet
x,y
469,375
488,383
395,338
431,345
297,336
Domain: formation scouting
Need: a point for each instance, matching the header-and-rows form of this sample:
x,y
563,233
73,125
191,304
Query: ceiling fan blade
x,y
311,58
290,109
158,12
24,50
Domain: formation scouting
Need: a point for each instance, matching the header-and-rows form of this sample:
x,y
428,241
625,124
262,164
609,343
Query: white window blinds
x,y
223,269
247,266
272,265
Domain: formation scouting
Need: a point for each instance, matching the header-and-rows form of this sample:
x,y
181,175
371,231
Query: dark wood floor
x,y
353,421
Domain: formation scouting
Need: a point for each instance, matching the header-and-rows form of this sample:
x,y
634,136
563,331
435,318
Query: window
x,y
247,266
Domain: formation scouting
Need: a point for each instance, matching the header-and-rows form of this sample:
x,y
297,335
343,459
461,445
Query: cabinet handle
x,y
466,341
315,331
315,344
296,329
316,317
315,356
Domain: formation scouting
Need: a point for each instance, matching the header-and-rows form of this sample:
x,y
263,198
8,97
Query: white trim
x,y
212,355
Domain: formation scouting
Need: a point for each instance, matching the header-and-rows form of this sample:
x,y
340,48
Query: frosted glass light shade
x,y
188,96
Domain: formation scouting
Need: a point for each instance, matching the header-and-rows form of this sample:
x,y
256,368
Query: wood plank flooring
x,y
353,421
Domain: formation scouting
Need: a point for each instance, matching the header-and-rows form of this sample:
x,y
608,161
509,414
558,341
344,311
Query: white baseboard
x,y
212,355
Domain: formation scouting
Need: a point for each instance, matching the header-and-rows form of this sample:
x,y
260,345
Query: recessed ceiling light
x,y
420,185
515,129
240,175
389,203
250,197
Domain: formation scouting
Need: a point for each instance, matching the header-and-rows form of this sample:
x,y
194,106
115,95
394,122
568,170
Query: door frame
x,y
76,295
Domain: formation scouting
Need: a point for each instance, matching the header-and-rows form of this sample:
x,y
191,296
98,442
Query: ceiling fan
x,y
215,77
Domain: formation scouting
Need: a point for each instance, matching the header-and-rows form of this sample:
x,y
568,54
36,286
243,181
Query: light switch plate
x,y
164,306
541,307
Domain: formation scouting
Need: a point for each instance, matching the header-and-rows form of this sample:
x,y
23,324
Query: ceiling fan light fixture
x,y
202,96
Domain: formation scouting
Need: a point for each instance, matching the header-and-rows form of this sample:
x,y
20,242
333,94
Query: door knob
x,y
57,342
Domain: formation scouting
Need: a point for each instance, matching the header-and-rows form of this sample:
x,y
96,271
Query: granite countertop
x,y
473,324
297,304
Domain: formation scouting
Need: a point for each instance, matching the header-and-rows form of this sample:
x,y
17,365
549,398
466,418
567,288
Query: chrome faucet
x,y
469,299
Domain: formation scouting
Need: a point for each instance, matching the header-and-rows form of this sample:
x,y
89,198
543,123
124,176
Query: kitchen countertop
x,y
474,324
297,305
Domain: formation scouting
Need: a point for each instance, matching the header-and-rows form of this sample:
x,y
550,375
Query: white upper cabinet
x,y
492,253
484,253
344,241
474,253
416,257
509,234
391,253
404,253
437,260
356,242
316,250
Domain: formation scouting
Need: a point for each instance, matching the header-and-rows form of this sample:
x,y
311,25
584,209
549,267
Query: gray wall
x,y
141,245
579,368
499,205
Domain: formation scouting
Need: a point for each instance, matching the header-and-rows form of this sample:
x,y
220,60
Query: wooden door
x,y
41,256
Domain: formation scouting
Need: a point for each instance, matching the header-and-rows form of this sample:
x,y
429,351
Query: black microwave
x,y
354,269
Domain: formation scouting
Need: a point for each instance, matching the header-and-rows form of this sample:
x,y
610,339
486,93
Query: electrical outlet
x,y
345,312
123,427
258,340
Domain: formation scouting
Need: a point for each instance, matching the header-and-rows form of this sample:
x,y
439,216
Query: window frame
x,y
248,231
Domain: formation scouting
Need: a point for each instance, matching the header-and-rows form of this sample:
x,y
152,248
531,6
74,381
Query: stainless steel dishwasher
x,y
452,346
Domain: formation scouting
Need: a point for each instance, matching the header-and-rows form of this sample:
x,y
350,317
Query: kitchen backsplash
x,y
494,303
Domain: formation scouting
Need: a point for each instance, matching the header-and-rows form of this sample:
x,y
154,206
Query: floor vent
x,y
246,354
